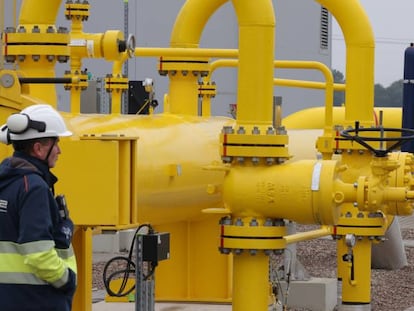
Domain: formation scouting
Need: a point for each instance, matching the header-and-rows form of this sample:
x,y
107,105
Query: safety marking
x,y
316,176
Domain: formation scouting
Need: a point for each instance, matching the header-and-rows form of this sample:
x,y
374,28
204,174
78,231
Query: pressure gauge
x,y
350,240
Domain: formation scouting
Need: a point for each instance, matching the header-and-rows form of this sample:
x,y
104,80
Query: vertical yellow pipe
x,y
256,52
39,11
1,27
186,33
357,290
116,102
82,244
360,46
250,281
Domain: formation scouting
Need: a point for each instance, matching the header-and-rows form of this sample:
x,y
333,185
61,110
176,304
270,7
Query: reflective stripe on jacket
x,y
35,263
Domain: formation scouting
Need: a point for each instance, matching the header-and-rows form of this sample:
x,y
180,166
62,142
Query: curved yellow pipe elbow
x,y
191,20
360,45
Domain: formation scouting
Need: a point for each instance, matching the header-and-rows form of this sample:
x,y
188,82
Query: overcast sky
x,y
393,25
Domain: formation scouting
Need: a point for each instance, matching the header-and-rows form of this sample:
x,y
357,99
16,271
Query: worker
x,y
37,263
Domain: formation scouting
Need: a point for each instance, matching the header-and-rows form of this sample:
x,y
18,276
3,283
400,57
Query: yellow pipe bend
x,y
191,20
360,45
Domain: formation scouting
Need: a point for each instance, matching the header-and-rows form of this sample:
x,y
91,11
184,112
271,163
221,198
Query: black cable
x,y
130,268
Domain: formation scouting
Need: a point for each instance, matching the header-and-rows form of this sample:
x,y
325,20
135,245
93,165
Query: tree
x,y
339,96
391,96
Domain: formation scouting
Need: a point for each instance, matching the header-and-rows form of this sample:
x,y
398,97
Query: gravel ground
x,y
390,290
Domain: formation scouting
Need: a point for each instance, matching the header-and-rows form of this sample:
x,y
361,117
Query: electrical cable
x,y
130,268
289,271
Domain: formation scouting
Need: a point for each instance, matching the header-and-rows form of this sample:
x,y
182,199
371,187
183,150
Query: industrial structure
x,y
216,182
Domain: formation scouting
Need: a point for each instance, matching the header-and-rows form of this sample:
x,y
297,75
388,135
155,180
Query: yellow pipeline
x,y
248,280
186,33
256,53
43,14
360,45
309,235
166,166
272,191
329,86
36,12
355,274
117,94
185,52
87,45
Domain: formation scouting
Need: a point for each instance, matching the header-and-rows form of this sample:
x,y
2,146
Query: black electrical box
x,y
137,98
156,246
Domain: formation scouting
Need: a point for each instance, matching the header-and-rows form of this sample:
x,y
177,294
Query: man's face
x,y
49,147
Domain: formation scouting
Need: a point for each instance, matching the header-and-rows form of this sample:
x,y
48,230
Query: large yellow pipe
x,y
36,12
360,45
249,272
256,53
186,33
190,22
42,13
273,191
172,177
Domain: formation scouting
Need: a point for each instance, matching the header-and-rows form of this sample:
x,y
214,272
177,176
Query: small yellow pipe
x,y
329,85
356,275
307,84
360,46
116,102
309,235
277,81
186,52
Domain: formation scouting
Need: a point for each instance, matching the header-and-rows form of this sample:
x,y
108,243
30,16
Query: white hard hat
x,y
36,121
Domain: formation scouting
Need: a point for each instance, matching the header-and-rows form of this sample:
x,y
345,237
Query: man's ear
x,y
37,149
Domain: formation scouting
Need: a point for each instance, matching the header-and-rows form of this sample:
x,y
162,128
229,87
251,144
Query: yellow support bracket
x,y
77,10
116,83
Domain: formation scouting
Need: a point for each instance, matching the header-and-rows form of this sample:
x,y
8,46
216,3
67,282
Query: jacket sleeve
x,y
36,236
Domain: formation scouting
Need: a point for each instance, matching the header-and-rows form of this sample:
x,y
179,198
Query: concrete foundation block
x,y
316,294
106,243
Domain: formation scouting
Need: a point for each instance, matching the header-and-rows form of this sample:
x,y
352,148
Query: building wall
x,y
297,38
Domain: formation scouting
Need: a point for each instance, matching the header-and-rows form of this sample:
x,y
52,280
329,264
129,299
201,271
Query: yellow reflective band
x,y
50,266
26,248
13,263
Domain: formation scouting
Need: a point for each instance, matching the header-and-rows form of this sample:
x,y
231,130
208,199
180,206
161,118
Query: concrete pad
x,y
128,306
316,294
